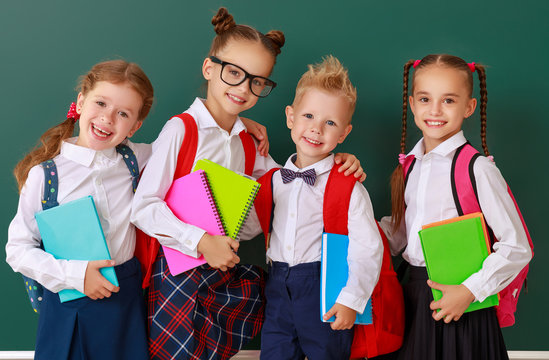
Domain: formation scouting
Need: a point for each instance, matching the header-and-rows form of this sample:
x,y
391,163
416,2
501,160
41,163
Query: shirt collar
x,y
205,119
321,167
444,149
83,155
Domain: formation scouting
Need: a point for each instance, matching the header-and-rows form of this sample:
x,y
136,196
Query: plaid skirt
x,y
203,313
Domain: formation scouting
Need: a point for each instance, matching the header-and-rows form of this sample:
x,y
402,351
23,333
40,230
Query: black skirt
x,y
475,336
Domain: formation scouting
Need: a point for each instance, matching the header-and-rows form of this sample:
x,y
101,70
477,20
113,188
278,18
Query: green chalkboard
x,y
46,45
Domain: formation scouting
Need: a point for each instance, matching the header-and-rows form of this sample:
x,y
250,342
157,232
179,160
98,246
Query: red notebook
x,y
191,200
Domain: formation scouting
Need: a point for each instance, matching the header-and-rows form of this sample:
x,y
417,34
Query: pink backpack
x,y
465,195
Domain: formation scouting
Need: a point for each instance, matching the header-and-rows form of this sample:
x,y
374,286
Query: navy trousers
x,y
292,327
108,329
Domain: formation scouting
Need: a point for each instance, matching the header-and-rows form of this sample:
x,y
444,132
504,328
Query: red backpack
x,y
146,247
386,333
464,190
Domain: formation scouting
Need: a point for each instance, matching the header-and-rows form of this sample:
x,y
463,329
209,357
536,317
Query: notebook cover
x,y
191,201
454,249
73,231
334,272
234,195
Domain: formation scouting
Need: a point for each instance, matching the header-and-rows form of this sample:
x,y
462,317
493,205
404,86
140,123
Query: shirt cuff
x,y
351,301
76,273
474,284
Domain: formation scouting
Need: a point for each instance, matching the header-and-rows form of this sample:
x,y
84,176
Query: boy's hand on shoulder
x,y
345,317
219,251
351,165
455,300
95,284
260,133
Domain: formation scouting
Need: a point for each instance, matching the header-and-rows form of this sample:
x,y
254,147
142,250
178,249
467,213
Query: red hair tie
x,y
72,114
472,66
416,63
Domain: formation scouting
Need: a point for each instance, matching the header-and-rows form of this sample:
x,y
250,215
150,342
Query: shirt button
x,y
292,215
98,181
289,247
187,242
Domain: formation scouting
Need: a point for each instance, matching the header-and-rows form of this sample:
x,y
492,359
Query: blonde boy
x,y
319,119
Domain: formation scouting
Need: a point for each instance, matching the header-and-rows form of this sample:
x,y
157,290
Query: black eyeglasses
x,y
234,75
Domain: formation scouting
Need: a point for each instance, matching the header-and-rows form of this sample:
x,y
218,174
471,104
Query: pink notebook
x,y
190,199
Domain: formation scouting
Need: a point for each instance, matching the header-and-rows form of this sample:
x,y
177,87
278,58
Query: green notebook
x,y
234,195
455,249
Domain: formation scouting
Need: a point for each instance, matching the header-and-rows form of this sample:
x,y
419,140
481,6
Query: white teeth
x,y
100,132
435,123
235,98
313,141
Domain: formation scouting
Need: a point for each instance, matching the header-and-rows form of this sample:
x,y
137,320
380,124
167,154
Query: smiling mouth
x,y
100,132
311,141
435,122
236,99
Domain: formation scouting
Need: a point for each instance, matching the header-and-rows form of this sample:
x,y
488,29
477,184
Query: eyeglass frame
x,y
247,75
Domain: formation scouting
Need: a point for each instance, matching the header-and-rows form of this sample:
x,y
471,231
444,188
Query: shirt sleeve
x,y
397,238
23,252
512,251
149,211
365,252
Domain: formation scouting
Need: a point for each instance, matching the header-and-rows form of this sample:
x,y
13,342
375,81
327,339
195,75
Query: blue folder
x,y
334,275
72,231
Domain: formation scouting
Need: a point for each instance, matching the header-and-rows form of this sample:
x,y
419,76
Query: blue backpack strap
x,y
131,162
51,184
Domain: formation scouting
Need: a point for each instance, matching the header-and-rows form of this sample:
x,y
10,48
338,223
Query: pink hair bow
x,y
416,63
401,158
72,114
491,158
471,66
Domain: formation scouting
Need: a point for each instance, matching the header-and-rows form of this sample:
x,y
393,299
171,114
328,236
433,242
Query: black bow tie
x,y
309,176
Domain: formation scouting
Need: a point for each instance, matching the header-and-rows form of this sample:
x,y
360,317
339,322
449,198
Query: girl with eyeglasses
x,y
212,311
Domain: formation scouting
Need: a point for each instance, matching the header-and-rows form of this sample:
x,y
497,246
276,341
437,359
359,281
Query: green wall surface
x,y
46,45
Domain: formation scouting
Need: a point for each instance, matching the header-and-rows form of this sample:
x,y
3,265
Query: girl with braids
x,y
212,311
114,99
441,99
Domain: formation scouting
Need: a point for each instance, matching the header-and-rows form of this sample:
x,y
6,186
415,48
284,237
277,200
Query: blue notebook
x,y
334,272
72,231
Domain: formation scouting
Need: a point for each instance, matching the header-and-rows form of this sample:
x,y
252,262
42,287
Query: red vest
x,y
146,247
386,333
464,190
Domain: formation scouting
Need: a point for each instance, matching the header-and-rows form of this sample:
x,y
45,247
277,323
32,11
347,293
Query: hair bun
x,y
222,21
277,38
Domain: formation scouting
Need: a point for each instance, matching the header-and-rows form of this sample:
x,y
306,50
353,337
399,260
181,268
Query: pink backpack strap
x,y
463,182
409,162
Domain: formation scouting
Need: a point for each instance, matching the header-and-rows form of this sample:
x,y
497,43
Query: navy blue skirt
x,y
476,335
110,328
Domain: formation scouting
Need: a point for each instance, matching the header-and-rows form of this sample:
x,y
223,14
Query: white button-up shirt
x,y
429,199
81,172
298,226
150,212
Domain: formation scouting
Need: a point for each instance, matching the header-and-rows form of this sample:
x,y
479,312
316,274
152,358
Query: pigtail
x,y
397,177
277,38
223,21
483,101
49,147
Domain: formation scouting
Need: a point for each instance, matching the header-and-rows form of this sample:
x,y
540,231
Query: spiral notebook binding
x,y
246,211
213,204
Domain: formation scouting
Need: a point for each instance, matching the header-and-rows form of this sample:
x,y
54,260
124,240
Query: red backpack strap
x,y
264,204
249,151
463,181
146,247
337,197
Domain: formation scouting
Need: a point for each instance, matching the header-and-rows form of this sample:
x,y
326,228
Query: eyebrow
x,y
427,93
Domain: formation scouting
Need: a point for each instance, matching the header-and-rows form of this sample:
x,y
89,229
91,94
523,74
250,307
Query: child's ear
x,y
471,106
289,117
345,133
207,68
135,127
79,103
411,102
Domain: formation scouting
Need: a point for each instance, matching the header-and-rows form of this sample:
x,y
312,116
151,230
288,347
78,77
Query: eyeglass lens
x,y
234,75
